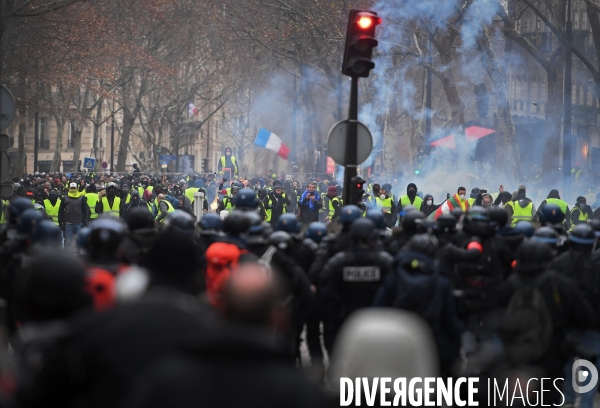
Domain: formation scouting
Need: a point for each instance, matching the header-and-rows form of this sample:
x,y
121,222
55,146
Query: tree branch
x,y
45,8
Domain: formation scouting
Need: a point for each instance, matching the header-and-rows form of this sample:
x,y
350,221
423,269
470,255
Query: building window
x,y
44,142
70,140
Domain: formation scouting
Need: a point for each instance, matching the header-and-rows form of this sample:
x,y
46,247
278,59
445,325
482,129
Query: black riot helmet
x,y
181,222
362,228
546,235
281,239
236,223
409,222
498,217
582,234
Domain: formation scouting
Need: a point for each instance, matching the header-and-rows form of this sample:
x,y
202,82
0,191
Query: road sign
x,y
89,163
167,158
6,191
336,143
104,165
7,107
4,142
4,165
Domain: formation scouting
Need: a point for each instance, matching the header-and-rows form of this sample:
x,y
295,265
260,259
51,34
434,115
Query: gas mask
x,y
382,196
462,196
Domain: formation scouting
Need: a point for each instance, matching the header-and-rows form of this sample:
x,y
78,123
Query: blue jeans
x,y
70,231
590,342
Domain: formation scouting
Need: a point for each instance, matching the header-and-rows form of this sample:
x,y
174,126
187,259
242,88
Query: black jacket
x,y
277,205
67,214
428,209
579,264
242,369
349,280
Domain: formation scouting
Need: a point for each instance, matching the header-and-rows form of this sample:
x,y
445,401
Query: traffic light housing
x,y
360,41
205,165
356,190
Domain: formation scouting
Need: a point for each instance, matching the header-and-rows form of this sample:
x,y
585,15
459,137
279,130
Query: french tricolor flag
x,y
271,141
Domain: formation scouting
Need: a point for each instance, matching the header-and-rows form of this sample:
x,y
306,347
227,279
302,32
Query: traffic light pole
x,y
351,143
567,110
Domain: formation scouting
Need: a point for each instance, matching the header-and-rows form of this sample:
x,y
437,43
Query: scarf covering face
x,y
311,204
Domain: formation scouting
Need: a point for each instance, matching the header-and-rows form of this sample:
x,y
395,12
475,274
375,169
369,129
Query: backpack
x,y
221,259
526,327
173,200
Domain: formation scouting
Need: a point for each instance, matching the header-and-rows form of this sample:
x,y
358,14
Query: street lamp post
x,y
567,108
112,138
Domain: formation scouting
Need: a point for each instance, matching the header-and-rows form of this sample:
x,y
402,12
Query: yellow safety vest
x,y
561,204
520,213
92,200
170,209
583,217
224,161
106,209
331,208
227,203
405,200
51,211
269,213
189,192
2,215
385,204
471,201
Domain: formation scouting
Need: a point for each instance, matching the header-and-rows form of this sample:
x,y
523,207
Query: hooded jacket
x,y
229,162
428,209
555,195
427,293
290,193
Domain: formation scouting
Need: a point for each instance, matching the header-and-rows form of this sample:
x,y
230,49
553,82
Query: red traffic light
x,y
365,22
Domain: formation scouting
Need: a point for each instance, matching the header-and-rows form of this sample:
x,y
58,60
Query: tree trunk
x,y
20,166
78,128
60,127
128,122
457,107
507,152
554,114
97,124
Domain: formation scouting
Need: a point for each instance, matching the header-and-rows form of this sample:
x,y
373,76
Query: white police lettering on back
x,y
361,273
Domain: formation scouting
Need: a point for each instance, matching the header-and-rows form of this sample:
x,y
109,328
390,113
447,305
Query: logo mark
x,y
584,371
